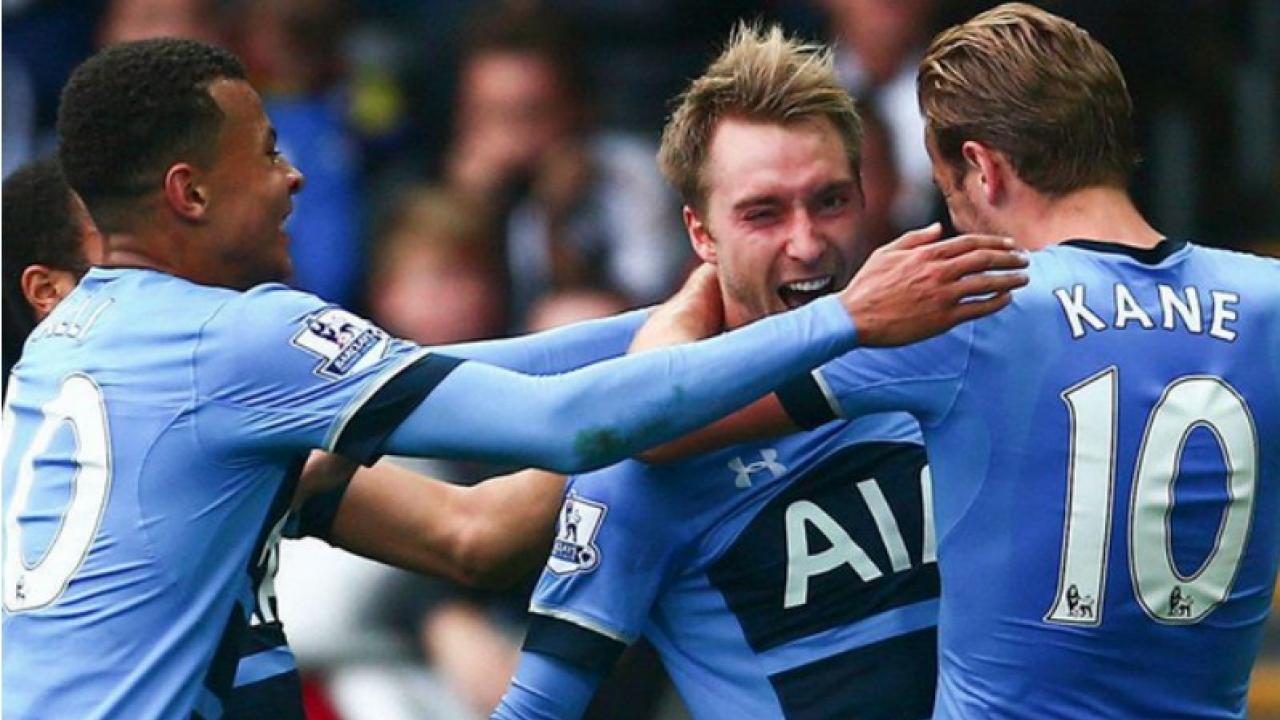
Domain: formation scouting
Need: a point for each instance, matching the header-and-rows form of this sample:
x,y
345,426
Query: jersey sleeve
x,y
559,350
278,370
547,688
600,414
615,546
923,379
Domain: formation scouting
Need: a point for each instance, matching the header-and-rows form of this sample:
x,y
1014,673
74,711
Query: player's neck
x,y
129,250
735,315
160,251
1096,213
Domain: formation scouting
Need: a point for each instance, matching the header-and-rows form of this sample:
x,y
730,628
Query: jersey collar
x,y
1147,256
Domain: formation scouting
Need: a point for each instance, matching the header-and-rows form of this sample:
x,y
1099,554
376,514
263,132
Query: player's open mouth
x,y
798,292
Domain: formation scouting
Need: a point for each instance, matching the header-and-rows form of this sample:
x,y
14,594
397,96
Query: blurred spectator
x,y
436,277
293,52
19,110
879,46
128,20
881,183
586,206
574,305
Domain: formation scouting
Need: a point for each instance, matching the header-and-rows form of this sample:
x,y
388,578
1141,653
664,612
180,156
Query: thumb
x,y
702,280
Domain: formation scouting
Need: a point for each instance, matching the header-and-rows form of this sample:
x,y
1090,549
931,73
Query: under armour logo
x,y
768,461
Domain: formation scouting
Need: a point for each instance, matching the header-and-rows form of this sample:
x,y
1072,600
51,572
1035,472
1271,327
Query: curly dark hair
x,y
131,111
40,227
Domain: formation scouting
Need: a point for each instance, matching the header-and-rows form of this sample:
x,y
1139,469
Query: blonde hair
x,y
762,75
1037,88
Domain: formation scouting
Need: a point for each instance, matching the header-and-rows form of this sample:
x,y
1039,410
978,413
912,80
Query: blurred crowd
x,y
481,169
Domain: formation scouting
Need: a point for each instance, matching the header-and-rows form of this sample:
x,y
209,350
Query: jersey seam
x,y
962,375
198,398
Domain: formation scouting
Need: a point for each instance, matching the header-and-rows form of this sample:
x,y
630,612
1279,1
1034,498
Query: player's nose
x,y
295,179
804,242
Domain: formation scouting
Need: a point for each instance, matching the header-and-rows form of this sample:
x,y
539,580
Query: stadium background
x,y
480,169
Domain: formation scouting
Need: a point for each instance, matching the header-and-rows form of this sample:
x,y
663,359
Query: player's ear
x,y
704,246
44,287
988,167
184,192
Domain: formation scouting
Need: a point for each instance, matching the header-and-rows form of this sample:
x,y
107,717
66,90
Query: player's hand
x,y
920,285
694,313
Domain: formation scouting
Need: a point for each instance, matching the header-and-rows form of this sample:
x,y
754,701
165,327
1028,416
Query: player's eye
x,y
760,215
833,203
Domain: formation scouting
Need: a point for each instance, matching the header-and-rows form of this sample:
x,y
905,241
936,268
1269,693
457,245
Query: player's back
x,y
1107,494
127,533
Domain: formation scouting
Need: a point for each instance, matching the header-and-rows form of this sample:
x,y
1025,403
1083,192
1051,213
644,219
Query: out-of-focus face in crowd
x,y
129,20
436,276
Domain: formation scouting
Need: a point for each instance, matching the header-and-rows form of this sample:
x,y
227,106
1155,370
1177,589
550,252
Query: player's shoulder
x,y
159,292
266,313
267,319
635,487
672,494
273,300
1245,268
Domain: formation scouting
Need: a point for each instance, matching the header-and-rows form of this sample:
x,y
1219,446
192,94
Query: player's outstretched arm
x,y
694,308
491,534
556,351
600,414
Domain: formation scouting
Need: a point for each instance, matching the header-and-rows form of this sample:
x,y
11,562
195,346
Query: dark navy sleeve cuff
x,y
572,643
362,439
805,402
315,517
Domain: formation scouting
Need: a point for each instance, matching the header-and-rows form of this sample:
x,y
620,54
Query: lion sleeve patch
x,y
343,341
575,549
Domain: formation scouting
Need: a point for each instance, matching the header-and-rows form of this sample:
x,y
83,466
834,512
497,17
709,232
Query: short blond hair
x,y
1036,87
763,76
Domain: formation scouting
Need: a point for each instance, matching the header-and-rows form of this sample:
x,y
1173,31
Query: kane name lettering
x,y
1173,309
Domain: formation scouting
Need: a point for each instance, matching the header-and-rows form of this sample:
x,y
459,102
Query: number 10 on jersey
x,y
1167,596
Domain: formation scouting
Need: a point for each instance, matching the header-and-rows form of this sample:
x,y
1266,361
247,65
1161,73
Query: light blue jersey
x,y
785,579
155,429
166,442
1105,471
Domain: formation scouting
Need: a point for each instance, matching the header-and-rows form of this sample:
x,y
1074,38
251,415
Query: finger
x,y
987,283
915,238
977,261
962,244
701,276
980,308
